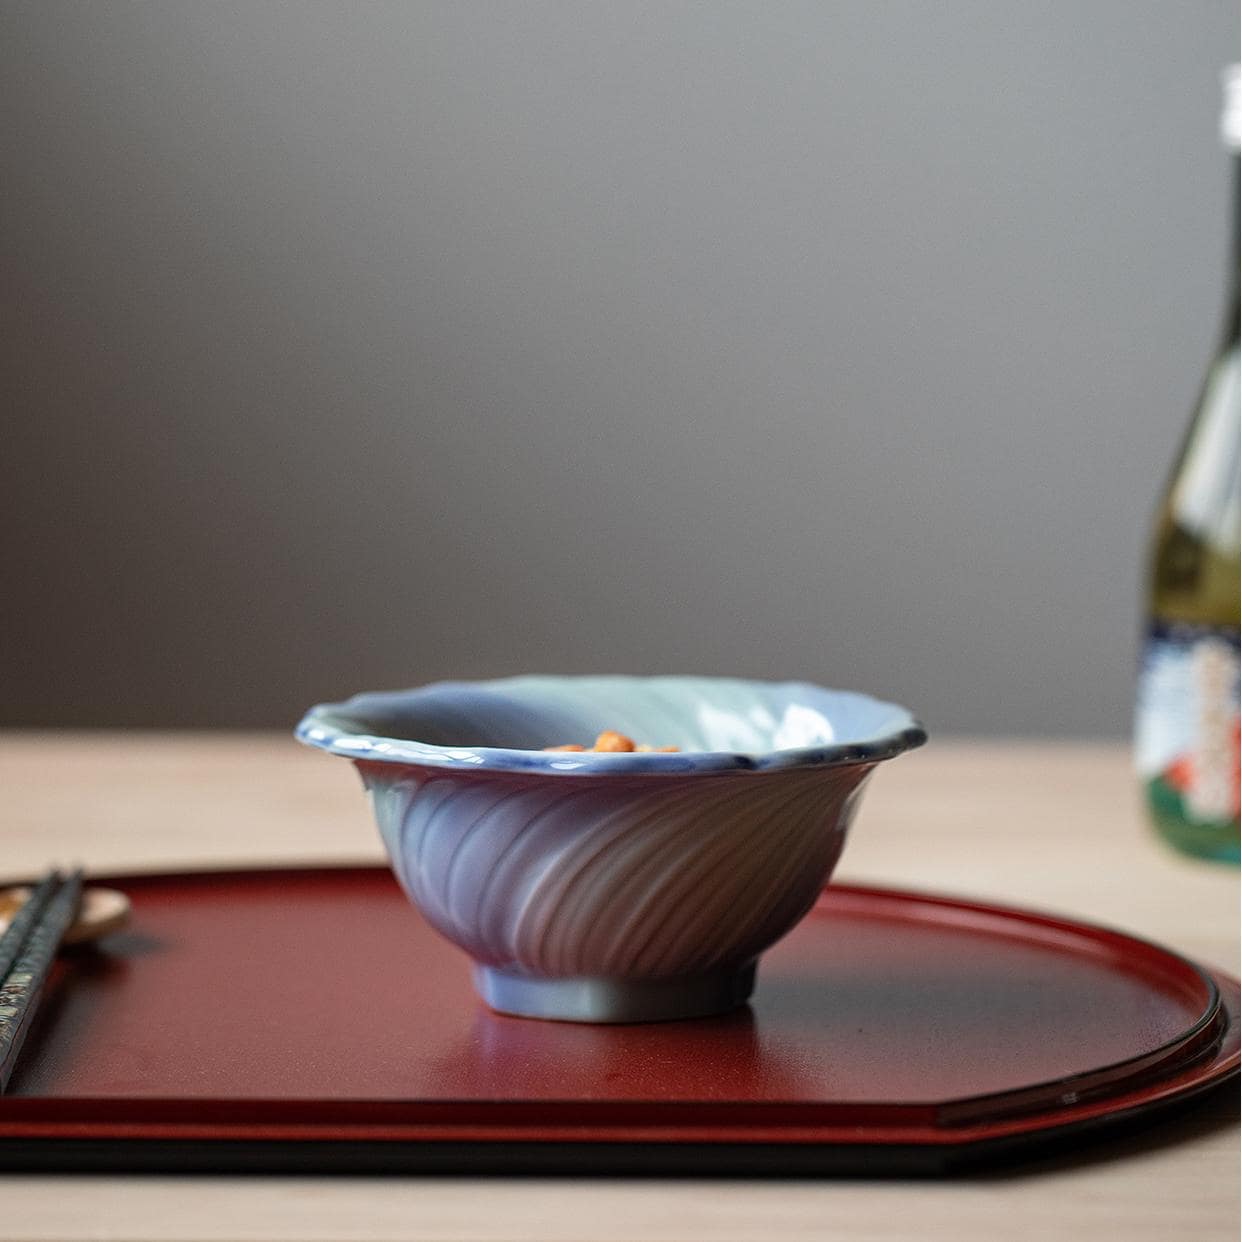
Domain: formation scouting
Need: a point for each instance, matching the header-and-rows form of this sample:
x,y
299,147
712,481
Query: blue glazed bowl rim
x,y
325,727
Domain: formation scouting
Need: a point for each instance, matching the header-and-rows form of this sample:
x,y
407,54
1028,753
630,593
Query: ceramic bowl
x,y
613,887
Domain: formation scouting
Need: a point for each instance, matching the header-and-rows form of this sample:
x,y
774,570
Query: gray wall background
x,y
360,345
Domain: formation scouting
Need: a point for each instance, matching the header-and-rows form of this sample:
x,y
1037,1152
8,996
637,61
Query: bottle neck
x,y
1231,307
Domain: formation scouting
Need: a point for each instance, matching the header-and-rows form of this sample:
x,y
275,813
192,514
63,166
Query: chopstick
x,y
29,947
19,927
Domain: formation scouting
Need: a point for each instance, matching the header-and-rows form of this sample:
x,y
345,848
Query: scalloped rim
x,y
317,729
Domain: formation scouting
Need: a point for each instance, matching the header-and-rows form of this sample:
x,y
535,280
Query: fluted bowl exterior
x,y
613,877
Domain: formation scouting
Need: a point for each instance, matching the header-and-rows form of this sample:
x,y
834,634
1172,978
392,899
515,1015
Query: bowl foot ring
x,y
586,999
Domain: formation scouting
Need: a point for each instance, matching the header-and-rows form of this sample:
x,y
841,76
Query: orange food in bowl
x,y
615,743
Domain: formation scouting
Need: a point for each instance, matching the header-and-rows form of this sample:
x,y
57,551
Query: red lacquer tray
x,y
311,1021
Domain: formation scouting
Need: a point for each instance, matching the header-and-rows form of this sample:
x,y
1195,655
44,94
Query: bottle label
x,y
1188,722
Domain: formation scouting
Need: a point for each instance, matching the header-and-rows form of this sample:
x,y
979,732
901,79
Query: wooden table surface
x,y
1046,825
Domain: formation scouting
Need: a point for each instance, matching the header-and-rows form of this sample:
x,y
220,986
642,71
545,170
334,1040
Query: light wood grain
x,y
1050,826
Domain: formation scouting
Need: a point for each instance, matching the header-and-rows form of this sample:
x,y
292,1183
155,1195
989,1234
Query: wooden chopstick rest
x,y
102,911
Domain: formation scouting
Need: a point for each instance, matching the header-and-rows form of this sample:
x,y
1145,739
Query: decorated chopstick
x,y
21,923
22,986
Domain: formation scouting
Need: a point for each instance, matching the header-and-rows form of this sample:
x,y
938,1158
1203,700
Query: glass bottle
x,y
1187,720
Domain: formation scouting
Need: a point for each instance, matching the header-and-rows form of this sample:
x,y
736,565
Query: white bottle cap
x,y
1231,108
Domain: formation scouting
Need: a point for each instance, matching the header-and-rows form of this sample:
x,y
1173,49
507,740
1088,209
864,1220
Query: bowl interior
x,y
690,713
